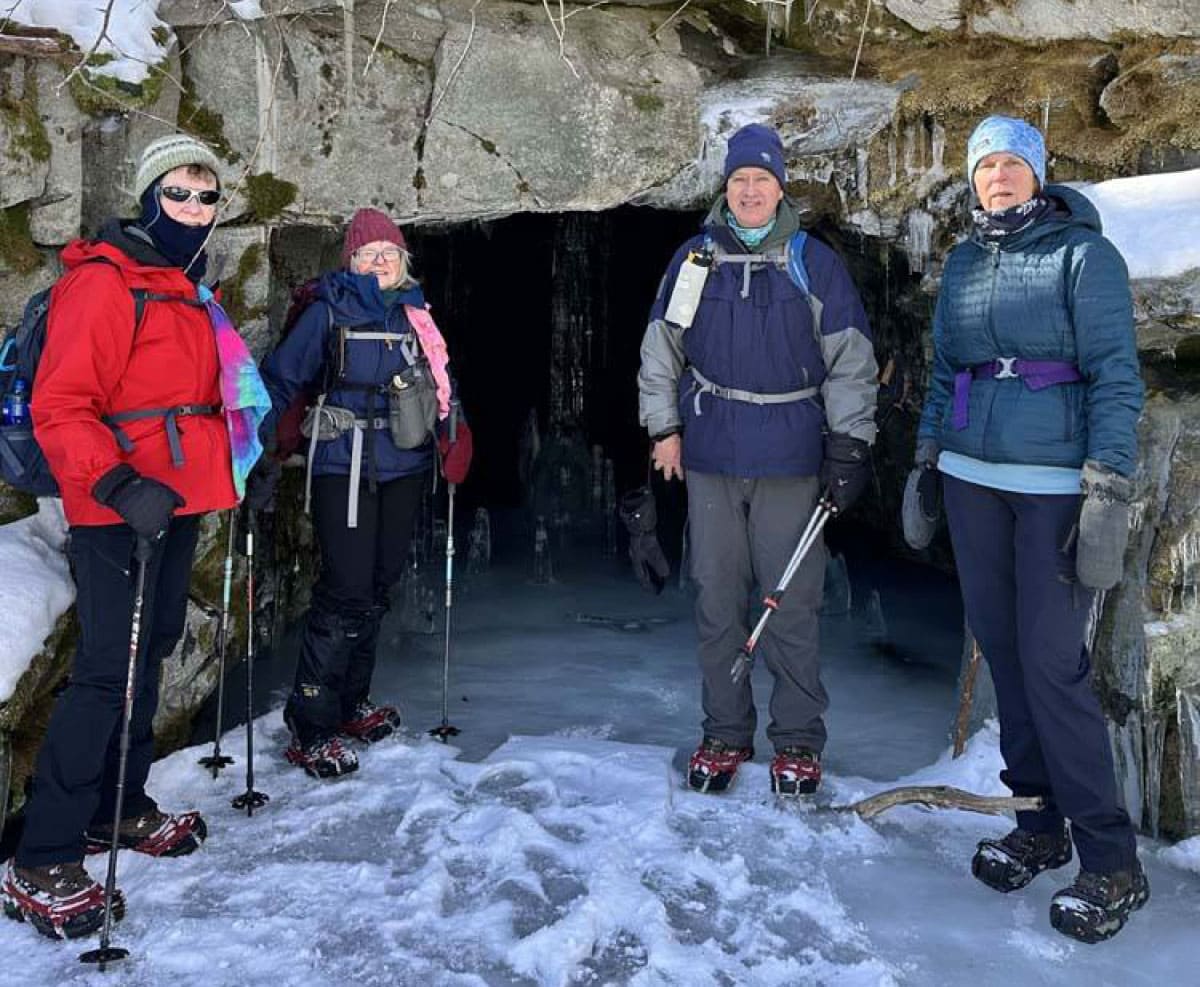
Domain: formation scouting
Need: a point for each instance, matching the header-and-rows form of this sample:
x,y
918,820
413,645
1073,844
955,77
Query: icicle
x,y
918,240
1188,711
543,572
267,159
862,171
912,165
610,510
1126,741
1155,733
479,545
937,147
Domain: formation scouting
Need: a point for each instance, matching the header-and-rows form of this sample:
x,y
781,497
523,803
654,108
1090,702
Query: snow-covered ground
x,y
554,844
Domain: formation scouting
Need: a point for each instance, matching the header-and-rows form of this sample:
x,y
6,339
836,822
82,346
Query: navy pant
x,y
75,780
358,567
1030,617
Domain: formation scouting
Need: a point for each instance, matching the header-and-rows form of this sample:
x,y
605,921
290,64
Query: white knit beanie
x,y
168,153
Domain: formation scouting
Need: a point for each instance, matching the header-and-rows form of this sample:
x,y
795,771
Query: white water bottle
x,y
689,285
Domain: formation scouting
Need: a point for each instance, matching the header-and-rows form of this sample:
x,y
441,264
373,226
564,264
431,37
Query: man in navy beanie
x,y
758,383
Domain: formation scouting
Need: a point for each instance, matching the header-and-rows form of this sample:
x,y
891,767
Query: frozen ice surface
x,y
553,844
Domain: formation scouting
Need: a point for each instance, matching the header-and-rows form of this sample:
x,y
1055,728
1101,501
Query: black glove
x,y
1103,526
261,483
845,471
145,504
638,512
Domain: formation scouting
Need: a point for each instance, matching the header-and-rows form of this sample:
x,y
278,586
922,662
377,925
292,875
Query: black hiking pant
x,y
75,779
1030,616
359,566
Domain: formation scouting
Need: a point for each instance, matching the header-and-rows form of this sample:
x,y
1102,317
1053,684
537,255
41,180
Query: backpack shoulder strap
x,y
795,261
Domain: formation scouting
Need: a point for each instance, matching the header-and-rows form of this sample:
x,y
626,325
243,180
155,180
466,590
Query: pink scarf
x,y
434,348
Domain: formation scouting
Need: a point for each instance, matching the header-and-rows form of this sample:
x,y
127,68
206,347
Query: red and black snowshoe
x,y
327,758
715,764
154,833
59,900
371,723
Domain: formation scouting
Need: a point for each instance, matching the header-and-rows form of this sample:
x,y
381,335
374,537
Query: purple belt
x,y
1036,374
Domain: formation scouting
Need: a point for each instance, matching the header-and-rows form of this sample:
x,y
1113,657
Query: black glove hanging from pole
x,y
638,512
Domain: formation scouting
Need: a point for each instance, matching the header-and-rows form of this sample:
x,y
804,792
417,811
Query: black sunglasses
x,y
206,197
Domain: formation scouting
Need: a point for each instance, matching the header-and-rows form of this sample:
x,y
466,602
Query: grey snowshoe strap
x,y
706,386
168,414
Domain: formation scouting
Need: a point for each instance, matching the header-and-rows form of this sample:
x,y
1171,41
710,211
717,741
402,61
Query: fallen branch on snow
x,y
941,797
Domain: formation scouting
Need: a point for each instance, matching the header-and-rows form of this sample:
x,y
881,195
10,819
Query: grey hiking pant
x,y
742,534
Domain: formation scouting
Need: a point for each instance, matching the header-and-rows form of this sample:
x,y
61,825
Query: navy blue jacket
x,y
300,361
765,343
1057,290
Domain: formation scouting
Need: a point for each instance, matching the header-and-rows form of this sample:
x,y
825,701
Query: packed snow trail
x,y
567,860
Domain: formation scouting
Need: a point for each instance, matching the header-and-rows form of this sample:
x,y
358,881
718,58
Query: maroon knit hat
x,y
367,226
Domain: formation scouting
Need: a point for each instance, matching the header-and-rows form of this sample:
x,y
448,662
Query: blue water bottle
x,y
15,410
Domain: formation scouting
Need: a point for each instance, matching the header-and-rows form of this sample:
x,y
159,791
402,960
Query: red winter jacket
x,y
94,365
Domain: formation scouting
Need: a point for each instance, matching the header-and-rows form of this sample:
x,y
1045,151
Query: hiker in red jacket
x,y
127,408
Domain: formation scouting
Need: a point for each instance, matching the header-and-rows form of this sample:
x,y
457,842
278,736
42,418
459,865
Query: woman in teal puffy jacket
x,y
1031,423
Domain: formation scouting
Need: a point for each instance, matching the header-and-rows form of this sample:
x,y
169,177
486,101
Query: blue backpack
x,y
22,464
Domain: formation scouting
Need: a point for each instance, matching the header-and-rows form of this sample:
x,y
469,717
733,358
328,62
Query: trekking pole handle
x,y
143,549
453,429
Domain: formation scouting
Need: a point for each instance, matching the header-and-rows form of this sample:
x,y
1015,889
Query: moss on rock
x,y
268,195
28,137
200,121
234,291
16,245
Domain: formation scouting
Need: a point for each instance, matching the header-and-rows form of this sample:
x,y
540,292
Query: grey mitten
x,y
922,506
922,503
1103,526
640,516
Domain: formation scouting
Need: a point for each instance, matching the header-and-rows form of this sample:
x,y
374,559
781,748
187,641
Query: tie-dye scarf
x,y
243,393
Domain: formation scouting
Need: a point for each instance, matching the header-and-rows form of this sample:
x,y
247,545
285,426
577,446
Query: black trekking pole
x,y
216,760
745,656
445,731
107,953
250,799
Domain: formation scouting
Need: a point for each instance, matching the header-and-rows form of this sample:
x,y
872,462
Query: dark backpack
x,y
22,464
287,429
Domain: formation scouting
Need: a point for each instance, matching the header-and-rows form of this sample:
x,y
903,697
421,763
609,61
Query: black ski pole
x,y
445,731
250,799
744,660
107,953
216,760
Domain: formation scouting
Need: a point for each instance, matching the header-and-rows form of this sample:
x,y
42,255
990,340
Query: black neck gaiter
x,y
180,245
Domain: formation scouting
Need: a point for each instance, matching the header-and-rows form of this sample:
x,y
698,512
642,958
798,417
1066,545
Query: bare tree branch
x,y
81,65
861,38
457,65
379,37
941,797
560,31
678,10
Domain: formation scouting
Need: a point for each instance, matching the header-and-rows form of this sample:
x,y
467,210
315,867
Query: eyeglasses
x,y
176,193
388,254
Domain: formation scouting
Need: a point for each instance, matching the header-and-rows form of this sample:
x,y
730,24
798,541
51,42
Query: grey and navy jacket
x,y
759,334
308,358
1055,291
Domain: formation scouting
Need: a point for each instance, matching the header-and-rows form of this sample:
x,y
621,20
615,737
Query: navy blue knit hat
x,y
1009,134
756,146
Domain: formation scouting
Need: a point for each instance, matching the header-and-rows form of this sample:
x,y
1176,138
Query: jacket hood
x,y
787,222
127,246
356,299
